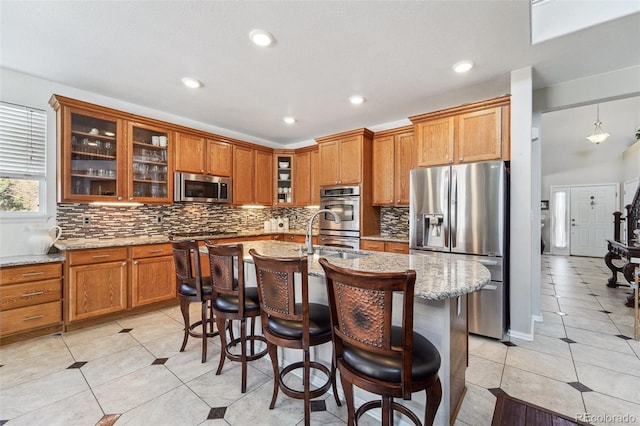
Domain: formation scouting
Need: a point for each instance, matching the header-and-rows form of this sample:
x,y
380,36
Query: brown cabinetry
x,y
97,283
152,274
196,154
305,177
393,159
345,158
465,134
388,246
31,298
252,176
109,280
108,155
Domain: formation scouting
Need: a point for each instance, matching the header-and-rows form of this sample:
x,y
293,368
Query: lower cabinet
x,y
97,282
110,280
31,298
388,246
152,274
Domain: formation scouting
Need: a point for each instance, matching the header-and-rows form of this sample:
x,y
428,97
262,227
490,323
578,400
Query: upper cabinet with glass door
x,y
107,155
149,164
91,157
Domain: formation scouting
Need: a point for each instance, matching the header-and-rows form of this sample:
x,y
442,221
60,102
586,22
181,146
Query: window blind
x,y
22,141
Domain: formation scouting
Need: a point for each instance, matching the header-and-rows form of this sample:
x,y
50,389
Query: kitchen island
x,y
440,311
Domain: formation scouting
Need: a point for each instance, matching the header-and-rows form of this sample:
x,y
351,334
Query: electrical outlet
x,y
86,220
158,219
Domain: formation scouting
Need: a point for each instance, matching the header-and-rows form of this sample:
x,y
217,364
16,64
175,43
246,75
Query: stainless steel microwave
x,y
201,188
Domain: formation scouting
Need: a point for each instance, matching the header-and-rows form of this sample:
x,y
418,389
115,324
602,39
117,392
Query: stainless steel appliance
x,y
344,201
201,188
463,210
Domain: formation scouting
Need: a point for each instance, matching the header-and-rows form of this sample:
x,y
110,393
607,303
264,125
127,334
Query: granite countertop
x,y
437,277
86,243
399,238
30,259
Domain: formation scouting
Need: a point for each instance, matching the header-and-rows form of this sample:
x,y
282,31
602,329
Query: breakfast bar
x,y
440,312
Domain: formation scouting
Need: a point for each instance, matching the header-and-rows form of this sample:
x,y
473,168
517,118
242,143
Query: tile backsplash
x,y
105,222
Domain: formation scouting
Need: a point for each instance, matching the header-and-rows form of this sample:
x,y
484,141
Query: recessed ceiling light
x,y
289,120
356,99
191,82
462,66
261,38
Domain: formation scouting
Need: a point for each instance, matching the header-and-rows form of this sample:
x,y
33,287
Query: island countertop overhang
x,y
437,277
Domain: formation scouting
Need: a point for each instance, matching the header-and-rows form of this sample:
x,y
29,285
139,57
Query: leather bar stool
x,y
193,288
291,323
385,359
232,301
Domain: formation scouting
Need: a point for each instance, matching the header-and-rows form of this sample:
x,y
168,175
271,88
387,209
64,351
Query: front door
x,y
591,220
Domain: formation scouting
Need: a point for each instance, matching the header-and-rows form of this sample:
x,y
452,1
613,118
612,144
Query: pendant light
x,y
598,134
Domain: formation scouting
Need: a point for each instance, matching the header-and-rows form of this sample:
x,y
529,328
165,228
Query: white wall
x,y
525,220
631,163
610,171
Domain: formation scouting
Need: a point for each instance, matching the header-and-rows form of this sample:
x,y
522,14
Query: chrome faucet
x,y
309,240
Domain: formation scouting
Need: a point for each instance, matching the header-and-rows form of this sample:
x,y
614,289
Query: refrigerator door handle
x,y
489,287
488,262
454,206
445,206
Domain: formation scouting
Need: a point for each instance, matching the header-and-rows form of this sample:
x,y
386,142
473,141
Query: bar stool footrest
x,y
252,357
313,393
370,405
199,335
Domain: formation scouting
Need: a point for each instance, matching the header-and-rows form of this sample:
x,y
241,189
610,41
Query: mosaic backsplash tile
x,y
106,222
394,221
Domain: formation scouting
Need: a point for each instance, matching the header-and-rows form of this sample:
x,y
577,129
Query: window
x,y
22,160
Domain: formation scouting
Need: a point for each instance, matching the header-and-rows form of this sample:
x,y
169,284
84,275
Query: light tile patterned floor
x,y
130,371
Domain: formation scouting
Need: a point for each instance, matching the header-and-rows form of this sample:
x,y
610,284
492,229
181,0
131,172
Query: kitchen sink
x,y
324,252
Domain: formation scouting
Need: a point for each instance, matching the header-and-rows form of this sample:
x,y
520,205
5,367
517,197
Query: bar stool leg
x,y
243,354
434,396
347,387
220,323
204,330
184,308
273,354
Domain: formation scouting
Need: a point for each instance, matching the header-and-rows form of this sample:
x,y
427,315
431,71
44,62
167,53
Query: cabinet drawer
x,y
151,250
82,257
402,248
372,245
27,294
20,274
30,317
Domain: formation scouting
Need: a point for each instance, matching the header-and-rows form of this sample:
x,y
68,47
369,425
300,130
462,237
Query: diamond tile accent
x,y
622,336
567,340
76,365
580,387
593,294
605,311
509,344
108,420
126,330
319,405
495,391
159,361
217,413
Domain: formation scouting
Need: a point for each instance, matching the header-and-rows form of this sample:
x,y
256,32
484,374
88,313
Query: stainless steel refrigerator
x,y
462,211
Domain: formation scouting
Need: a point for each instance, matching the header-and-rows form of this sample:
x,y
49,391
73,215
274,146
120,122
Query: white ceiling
x,y
397,54
564,135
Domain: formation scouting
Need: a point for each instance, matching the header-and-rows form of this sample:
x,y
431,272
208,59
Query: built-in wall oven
x,y
345,202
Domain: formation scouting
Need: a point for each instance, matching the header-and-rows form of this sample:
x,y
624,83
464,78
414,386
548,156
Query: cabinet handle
x,y
461,158
135,262
97,256
31,274
33,318
35,293
119,198
201,171
130,198
124,263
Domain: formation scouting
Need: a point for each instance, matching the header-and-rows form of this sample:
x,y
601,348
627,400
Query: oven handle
x,y
333,199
